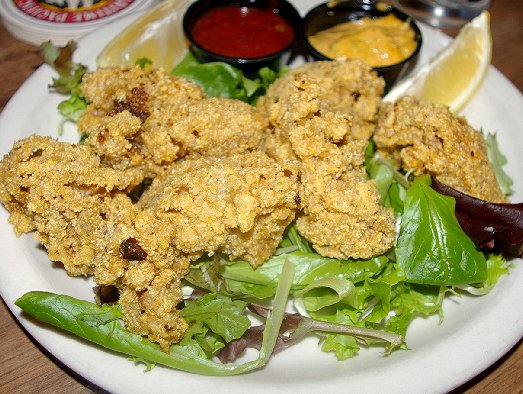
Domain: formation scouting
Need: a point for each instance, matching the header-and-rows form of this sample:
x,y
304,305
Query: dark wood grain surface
x,y
26,368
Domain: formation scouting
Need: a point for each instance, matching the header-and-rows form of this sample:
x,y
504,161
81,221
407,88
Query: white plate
x,y
475,333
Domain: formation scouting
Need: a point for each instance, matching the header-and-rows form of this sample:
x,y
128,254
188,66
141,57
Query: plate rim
x,y
40,336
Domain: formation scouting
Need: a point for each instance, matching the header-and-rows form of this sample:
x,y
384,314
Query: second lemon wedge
x,y
157,35
454,74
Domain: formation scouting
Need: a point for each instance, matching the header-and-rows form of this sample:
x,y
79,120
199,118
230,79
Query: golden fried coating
x,y
322,115
124,101
148,119
238,205
83,217
427,138
211,127
326,139
342,216
138,257
153,312
350,88
141,92
61,191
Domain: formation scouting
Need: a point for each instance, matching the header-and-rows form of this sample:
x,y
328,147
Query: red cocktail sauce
x,y
242,32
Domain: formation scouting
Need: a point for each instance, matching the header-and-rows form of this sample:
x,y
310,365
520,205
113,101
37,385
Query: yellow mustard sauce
x,y
377,41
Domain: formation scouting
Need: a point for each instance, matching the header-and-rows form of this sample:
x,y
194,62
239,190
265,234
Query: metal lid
x,y
60,21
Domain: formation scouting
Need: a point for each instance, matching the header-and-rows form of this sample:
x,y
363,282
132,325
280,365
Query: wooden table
x,y
26,368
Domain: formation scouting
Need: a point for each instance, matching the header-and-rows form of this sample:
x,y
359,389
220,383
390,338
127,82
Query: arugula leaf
x,y
432,248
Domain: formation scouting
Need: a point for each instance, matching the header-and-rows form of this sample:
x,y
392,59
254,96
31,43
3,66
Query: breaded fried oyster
x,y
211,127
350,88
122,101
61,191
322,115
83,217
427,138
238,205
342,216
148,119
137,256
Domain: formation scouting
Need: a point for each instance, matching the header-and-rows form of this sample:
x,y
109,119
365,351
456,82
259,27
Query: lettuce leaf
x,y
343,346
341,334
390,184
102,325
221,314
497,265
494,227
220,79
238,278
411,301
432,248
60,58
498,160
70,76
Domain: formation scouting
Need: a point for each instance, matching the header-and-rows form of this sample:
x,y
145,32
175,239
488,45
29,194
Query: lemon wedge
x,y
455,73
156,35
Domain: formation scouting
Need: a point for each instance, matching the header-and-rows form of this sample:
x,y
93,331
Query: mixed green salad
x,y
348,304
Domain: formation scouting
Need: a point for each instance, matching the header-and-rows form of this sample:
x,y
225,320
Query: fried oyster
x,y
62,192
239,205
427,138
147,119
81,213
322,115
348,88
